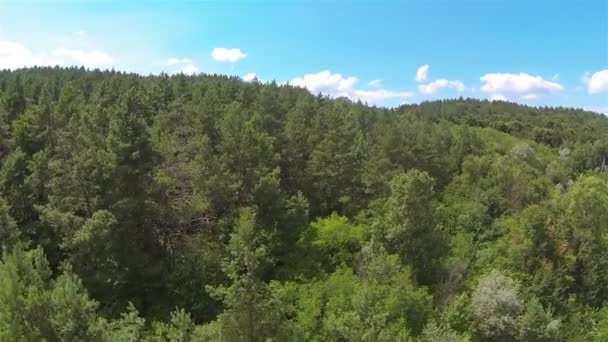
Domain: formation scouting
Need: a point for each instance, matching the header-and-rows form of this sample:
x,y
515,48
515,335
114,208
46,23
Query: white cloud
x,y
250,77
80,33
86,58
601,110
182,66
422,73
597,83
188,69
498,98
517,86
14,55
175,61
325,82
227,55
336,85
380,95
375,83
529,97
437,85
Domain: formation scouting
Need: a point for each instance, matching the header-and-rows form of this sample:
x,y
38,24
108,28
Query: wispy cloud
x,y
422,73
438,85
175,61
86,58
336,85
182,66
375,83
14,55
597,109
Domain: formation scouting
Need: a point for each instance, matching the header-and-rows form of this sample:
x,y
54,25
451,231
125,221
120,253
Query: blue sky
x,y
534,52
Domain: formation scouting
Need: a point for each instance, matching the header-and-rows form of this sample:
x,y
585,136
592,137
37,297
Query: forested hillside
x,y
205,208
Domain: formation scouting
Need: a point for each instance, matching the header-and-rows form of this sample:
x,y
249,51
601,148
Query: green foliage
x,y
91,249
334,162
33,306
196,264
538,324
380,304
408,226
434,333
9,233
250,312
457,315
496,307
600,331
335,241
179,329
129,327
205,208
584,232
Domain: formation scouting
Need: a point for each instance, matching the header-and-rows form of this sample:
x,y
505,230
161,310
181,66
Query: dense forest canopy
x,y
205,208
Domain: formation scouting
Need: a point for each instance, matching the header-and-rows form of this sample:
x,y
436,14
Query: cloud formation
x,y
175,61
182,66
189,69
520,86
375,83
336,85
438,85
14,55
597,109
498,98
326,82
379,96
422,73
250,77
227,55
597,82
85,58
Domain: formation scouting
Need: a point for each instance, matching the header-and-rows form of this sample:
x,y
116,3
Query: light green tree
x,y
496,307
408,224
